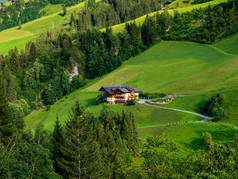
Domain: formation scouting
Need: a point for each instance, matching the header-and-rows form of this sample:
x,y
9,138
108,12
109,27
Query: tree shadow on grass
x,y
218,136
90,102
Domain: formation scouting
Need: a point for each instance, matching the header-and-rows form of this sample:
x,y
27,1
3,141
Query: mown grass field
x,y
172,68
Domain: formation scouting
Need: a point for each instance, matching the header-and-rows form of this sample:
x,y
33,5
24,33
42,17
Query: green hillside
x,y
55,22
176,68
14,37
169,67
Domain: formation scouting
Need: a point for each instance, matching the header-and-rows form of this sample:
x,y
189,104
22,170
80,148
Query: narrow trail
x,y
205,118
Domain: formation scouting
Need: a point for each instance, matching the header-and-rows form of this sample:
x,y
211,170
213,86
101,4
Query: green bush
x,y
99,99
19,110
131,102
214,107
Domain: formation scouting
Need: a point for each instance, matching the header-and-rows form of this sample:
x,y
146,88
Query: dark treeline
x,y
20,12
111,12
65,2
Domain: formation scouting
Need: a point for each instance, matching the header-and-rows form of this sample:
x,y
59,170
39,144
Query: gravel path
x,y
205,118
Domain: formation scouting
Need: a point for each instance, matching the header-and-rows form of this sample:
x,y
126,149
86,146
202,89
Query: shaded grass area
x,y
190,135
144,115
229,45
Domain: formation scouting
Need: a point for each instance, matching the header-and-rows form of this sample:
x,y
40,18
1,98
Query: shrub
x,y
131,102
100,99
48,108
207,139
215,107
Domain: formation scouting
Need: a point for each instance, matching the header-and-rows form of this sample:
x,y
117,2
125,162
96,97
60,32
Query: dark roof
x,y
122,88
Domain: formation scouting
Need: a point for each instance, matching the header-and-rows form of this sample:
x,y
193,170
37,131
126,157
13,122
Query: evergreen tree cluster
x,y
215,107
20,12
65,2
94,147
162,159
85,147
108,13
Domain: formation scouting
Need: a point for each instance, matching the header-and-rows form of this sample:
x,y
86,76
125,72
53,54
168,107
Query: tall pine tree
x,y
7,128
80,151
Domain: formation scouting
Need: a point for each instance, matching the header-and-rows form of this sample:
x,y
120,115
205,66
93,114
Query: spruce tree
x,y
128,131
7,128
81,156
56,141
32,53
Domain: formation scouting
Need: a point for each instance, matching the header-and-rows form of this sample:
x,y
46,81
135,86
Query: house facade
x,y
119,94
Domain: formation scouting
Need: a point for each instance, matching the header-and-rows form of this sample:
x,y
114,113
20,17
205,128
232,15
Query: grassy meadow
x,y
190,135
192,68
176,68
